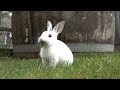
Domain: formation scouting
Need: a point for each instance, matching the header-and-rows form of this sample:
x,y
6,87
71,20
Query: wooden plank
x,y
26,55
88,26
26,48
26,28
38,21
117,28
30,28
16,27
75,47
91,47
0,17
22,29
5,29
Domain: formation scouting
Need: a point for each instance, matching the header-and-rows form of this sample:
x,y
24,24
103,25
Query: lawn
x,y
85,66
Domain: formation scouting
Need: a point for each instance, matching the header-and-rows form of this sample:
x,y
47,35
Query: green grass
x,y
85,66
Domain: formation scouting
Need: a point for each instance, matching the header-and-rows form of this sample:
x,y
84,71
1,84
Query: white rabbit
x,y
53,51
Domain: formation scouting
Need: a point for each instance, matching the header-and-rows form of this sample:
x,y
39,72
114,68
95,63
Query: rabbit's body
x,y
53,51
63,56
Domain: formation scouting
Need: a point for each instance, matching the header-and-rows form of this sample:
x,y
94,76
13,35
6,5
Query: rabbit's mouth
x,y
42,43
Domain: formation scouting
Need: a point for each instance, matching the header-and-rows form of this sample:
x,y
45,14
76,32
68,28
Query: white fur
x,y
53,51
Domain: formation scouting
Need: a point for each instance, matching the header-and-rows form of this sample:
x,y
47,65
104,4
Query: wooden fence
x,y
84,31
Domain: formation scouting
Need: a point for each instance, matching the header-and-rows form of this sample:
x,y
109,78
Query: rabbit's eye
x,y
49,35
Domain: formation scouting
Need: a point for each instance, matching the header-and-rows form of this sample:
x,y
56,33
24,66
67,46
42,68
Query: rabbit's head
x,y
49,37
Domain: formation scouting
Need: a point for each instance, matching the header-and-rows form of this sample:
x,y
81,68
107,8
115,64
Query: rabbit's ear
x,y
49,26
59,27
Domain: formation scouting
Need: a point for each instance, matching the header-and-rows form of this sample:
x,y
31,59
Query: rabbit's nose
x,y
41,41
